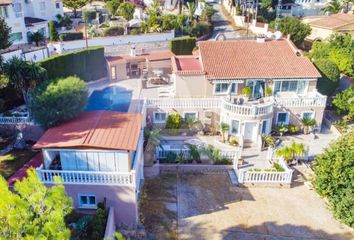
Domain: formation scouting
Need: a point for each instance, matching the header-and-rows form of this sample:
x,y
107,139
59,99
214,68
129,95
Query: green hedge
x,y
71,36
183,45
87,64
114,31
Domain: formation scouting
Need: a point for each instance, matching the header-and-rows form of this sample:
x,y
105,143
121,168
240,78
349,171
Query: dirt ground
x,y
207,206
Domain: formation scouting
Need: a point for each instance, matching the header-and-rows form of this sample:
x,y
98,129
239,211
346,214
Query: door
x,y
250,131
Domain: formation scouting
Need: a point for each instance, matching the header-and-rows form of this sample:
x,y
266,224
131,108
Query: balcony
x,y
311,99
250,109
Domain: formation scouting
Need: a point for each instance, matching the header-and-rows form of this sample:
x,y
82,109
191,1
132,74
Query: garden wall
x,y
110,226
33,55
194,168
87,64
61,47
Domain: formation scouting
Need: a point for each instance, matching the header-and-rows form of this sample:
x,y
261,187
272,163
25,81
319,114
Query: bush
x,y
278,167
87,64
69,36
99,224
58,101
174,121
330,76
53,34
134,31
224,161
183,45
233,142
293,128
89,15
113,31
201,29
246,91
344,102
126,10
334,177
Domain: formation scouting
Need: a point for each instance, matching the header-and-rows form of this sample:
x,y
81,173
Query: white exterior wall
x,y
34,9
16,21
305,8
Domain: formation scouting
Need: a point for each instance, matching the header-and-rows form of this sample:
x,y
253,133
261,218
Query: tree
x,y
291,152
344,102
152,139
58,101
74,5
112,6
334,177
191,7
126,10
36,37
33,211
330,76
53,34
307,123
4,34
333,6
24,76
298,31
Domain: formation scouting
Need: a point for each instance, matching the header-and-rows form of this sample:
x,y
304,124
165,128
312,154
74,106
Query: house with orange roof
x,y
99,158
251,85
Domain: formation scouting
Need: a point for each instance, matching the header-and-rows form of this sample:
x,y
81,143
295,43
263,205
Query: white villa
x,y
208,86
99,157
28,16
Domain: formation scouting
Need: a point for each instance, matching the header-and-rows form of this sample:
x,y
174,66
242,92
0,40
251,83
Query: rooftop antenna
x,y
278,15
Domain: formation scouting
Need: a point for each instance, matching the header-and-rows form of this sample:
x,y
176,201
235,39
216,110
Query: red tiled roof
x,y
334,21
35,162
97,130
5,2
152,56
249,59
188,64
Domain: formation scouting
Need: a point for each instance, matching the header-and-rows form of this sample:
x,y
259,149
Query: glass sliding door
x,y
257,88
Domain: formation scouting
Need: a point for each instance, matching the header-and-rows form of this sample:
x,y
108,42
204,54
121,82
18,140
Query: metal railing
x,y
15,120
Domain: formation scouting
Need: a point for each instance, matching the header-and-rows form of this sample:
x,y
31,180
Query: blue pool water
x,y
110,98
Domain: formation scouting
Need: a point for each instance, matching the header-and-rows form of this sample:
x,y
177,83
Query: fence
x,y
31,55
15,120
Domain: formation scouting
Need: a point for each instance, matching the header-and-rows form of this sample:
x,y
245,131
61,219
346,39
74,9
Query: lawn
x,y
13,161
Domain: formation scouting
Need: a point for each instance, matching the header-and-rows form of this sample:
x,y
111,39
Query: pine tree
x,y
4,34
53,35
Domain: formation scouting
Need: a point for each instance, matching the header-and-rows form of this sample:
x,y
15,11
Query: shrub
x,y
246,91
126,10
268,91
119,236
87,64
134,31
58,101
330,76
69,36
334,177
223,161
268,140
278,167
174,121
83,225
183,45
201,29
293,128
233,141
53,34
170,157
344,102
99,224
89,15
114,31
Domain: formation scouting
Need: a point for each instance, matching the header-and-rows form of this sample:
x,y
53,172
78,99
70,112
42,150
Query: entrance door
x,y
250,131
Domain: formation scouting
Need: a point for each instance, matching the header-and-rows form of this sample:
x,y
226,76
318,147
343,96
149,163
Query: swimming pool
x,y
110,98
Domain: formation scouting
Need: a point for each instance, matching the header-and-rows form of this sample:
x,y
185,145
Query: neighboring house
x,y
135,65
325,26
208,87
99,157
305,8
28,16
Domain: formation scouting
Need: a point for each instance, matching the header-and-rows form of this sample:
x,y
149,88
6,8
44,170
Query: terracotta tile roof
x,y
5,2
249,59
334,21
152,56
95,130
188,64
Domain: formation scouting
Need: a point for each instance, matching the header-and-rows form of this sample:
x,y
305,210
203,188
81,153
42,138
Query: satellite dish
x,y
220,37
278,35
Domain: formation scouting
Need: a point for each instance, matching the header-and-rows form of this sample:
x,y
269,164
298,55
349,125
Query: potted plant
x,y
307,123
291,152
246,91
224,129
268,91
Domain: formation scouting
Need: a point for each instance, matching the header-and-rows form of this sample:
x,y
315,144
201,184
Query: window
x,y
283,118
308,114
190,115
14,37
42,6
159,117
57,5
87,201
225,88
4,12
235,126
264,127
290,86
17,9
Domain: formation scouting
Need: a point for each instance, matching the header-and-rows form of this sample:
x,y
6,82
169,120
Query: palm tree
x,y
212,153
334,6
36,37
24,76
152,138
194,152
224,128
291,152
307,123
191,10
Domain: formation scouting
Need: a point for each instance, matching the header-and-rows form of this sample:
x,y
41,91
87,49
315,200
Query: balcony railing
x,y
312,100
248,110
15,120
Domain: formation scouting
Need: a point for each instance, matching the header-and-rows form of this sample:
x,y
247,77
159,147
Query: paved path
x,y
210,208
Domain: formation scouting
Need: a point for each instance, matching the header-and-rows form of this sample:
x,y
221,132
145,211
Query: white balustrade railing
x,y
262,176
85,177
184,103
15,120
248,110
138,161
302,101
